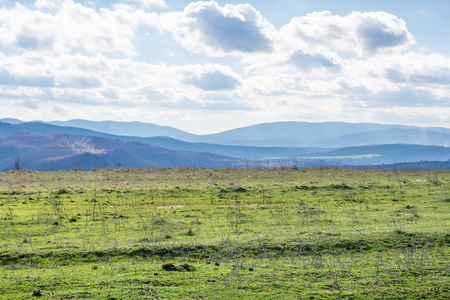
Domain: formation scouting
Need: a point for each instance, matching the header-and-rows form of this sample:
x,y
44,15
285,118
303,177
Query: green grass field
x,y
282,233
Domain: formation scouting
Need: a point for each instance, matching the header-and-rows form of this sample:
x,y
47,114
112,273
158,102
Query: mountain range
x,y
65,152
283,134
64,144
279,134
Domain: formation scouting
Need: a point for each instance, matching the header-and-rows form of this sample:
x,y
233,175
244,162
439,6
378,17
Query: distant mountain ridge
x,y
37,128
138,129
43,146
329,134
65,152
278,134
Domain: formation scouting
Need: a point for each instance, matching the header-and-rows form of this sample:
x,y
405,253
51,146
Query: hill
x,y
37,128
41,146
246,152
329,134
138,129
279,134
284,134
64,152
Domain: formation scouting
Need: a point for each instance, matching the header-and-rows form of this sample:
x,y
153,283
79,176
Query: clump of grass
x,y
62,191
159,221
239,189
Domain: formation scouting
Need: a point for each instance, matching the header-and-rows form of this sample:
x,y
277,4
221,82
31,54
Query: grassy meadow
x,y
281,233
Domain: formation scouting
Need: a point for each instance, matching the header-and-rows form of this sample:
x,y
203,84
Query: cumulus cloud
x,y
6,78
209,28
362,33
58,110
29,103
20,92
230,28
29,40
350,88
83,82
35,70
382,31
418,68
151,3
307,62
400,76
219,104
50,4
147,92
403,97
213,81
68,27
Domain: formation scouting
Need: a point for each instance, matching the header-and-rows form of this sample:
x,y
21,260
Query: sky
x,y
210,66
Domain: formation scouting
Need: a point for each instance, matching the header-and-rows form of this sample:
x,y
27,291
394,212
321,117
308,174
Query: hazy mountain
x,y
11,121
127,128
329,134
235,151
290,133
340,138
37,128
63,152
279,134
284,134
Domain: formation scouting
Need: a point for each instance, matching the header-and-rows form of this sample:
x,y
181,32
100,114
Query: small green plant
x,y
190,232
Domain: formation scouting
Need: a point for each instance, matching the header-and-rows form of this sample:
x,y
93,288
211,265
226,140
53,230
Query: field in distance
x,y
189,233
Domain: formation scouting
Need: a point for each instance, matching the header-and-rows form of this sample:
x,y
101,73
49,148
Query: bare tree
x,y
17,166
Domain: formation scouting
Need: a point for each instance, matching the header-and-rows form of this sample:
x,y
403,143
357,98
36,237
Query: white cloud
x,y
393,72
30,92
99,80
36,70
404,97
362,33
212,78
59,111
418,68
151,3
307,62
50,4
213,81
206,27
71,27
